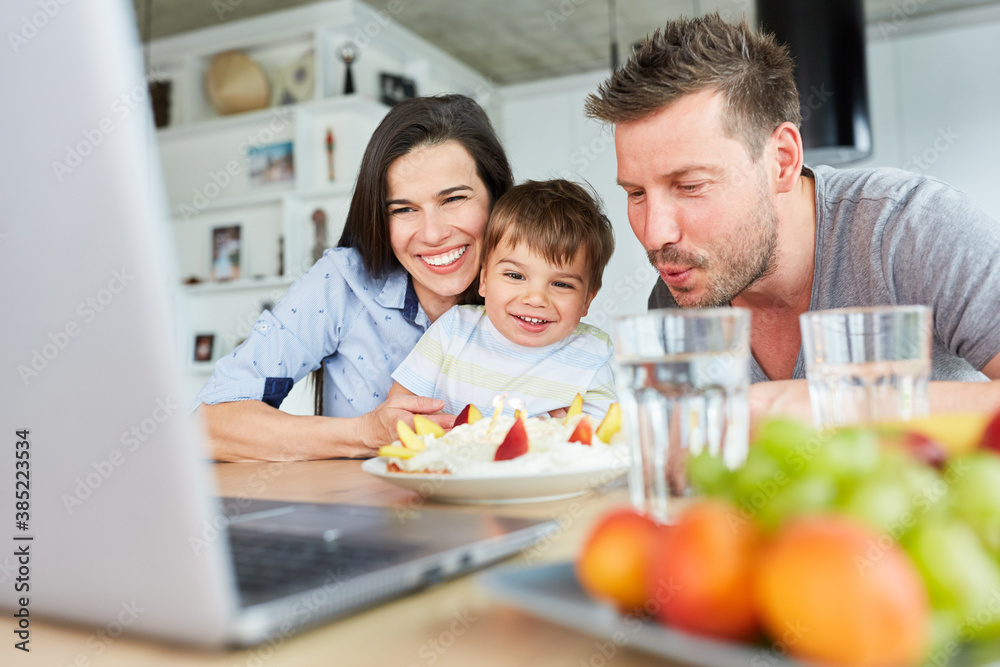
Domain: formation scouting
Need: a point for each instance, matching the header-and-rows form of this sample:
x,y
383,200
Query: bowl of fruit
x,y
857,546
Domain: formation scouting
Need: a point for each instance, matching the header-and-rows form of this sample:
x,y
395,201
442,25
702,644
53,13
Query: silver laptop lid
x,y
112,483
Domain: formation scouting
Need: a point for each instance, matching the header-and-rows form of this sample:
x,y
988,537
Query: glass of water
x,y
867,365
682,384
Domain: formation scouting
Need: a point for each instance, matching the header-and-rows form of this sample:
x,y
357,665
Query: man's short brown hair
x,y
751,69
554,219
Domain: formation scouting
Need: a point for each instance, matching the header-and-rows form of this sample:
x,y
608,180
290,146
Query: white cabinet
x,y
225,172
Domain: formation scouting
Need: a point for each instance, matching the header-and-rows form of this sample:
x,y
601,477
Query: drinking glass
x,y
867,365
682,385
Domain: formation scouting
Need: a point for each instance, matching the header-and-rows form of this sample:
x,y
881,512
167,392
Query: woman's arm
x,y
254,431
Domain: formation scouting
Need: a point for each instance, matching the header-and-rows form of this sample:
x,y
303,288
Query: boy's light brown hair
x,y
554,219
751,69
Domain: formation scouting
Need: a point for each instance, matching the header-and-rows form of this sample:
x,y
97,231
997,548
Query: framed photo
x,y
273,163
203,344
226,255
394,89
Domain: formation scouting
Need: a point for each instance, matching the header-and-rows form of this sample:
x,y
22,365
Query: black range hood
x,y
827,40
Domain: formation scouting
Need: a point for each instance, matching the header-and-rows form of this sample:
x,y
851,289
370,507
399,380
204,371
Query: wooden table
x,y
456,623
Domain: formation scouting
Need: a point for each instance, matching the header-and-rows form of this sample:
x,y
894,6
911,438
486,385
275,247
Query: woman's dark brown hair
x,y
413,124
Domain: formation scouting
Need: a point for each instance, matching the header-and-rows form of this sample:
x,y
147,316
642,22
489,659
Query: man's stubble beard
x,y
740,269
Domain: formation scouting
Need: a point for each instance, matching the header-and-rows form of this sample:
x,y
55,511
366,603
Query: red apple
x,y
514,444
584,432
924,448
991,436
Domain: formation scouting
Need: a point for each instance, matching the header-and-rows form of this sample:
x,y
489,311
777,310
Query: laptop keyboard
x,y
269,567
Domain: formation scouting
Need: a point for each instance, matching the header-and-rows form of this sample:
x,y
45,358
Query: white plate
x,y
498,489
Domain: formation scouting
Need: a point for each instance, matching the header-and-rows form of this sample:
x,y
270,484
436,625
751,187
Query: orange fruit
x,y
830,590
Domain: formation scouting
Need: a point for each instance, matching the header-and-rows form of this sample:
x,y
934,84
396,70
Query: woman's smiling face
x,y
438,208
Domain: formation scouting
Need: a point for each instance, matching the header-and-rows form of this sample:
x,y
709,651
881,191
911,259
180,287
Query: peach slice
x,y
425,426
584,431
575,408
611,423
409,438
397,452
468,415
515,443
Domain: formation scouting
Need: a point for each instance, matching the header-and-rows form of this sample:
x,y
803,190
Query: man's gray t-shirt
x,y
892,237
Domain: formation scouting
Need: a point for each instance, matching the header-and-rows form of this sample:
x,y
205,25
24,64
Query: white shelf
x,y
255,199
239,284
205,155
225,123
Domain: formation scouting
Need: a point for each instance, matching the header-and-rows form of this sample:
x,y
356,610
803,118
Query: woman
x,y
409,251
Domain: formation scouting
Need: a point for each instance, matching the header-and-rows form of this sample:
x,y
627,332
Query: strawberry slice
x,y
515,443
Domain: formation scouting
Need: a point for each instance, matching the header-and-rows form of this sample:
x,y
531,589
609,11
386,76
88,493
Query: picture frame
x,y
394,89
227,253
203,347
271,164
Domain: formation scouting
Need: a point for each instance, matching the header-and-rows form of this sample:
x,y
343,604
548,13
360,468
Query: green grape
x,y
882,501
975,491
759,478
805,495
960,575
787,441
849,454
709,475
945,635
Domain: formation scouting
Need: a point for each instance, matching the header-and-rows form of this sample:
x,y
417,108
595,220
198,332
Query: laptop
x,y
111,519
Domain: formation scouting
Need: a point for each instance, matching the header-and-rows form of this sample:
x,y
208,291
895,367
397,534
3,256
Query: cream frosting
x,y
468,450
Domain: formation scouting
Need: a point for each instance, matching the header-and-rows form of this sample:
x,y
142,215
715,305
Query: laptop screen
x,y
113,479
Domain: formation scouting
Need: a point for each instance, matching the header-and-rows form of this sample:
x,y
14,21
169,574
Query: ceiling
x,y
514,41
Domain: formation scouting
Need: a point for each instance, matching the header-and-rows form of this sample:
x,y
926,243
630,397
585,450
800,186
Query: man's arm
x,y
968,396
791,397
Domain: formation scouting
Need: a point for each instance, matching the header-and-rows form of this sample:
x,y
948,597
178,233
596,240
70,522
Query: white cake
x,y
468,450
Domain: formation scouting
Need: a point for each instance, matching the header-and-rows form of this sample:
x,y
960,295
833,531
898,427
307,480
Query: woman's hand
x,y
379,425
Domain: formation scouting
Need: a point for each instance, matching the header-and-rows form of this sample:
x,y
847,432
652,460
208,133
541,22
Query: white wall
x,y
934,98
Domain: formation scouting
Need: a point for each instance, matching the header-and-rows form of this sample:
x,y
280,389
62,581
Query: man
x,y
709,153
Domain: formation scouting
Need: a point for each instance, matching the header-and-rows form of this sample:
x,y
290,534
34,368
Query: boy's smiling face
x,y
531,301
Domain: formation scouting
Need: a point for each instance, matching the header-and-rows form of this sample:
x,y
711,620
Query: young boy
x,y
544,251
